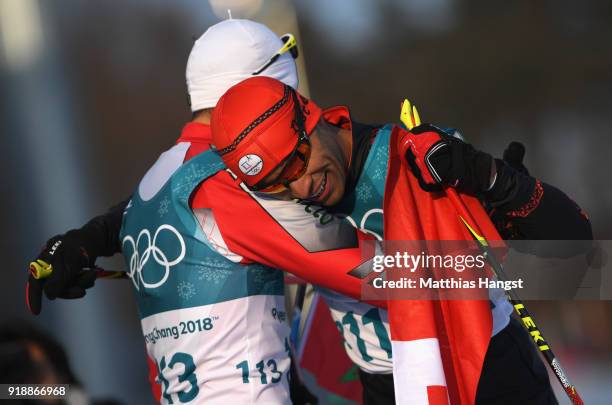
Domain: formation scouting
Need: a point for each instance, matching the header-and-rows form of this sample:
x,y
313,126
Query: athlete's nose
x,y
302,187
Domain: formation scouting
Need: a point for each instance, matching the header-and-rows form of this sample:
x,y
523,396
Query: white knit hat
x,y
228,53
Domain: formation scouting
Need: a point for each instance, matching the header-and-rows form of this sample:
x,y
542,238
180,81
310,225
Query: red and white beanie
x,y
253,126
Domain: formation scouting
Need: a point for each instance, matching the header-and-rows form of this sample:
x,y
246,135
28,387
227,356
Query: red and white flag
x,y
438,346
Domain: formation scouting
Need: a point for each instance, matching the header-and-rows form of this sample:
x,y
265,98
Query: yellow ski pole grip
x,y
409,115
40,269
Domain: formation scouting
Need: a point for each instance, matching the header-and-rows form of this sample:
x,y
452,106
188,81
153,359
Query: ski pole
x,y
526,318
410,118
41,269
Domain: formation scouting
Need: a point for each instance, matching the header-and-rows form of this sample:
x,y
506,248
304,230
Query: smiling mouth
x,y
320,190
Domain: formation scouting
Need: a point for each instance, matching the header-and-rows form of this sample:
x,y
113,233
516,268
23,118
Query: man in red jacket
x,y
275,142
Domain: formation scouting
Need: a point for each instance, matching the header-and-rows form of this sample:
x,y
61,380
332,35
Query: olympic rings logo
x,y
138,260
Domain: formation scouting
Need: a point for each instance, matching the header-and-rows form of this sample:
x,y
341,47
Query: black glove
x,y
68,255
438,159
513,185
513,155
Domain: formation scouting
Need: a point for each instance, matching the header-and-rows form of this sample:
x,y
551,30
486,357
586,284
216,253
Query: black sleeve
x,y
100,236
523,207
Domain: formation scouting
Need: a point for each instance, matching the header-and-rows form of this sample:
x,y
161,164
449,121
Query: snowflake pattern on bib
x,y
163,207
185,290
213,270
364,192
194,174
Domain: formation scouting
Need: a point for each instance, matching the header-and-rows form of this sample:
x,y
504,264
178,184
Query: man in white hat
x,y
242,227
214,330
248,358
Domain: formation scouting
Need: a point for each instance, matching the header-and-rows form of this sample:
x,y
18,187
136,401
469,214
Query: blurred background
x,y
92,92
